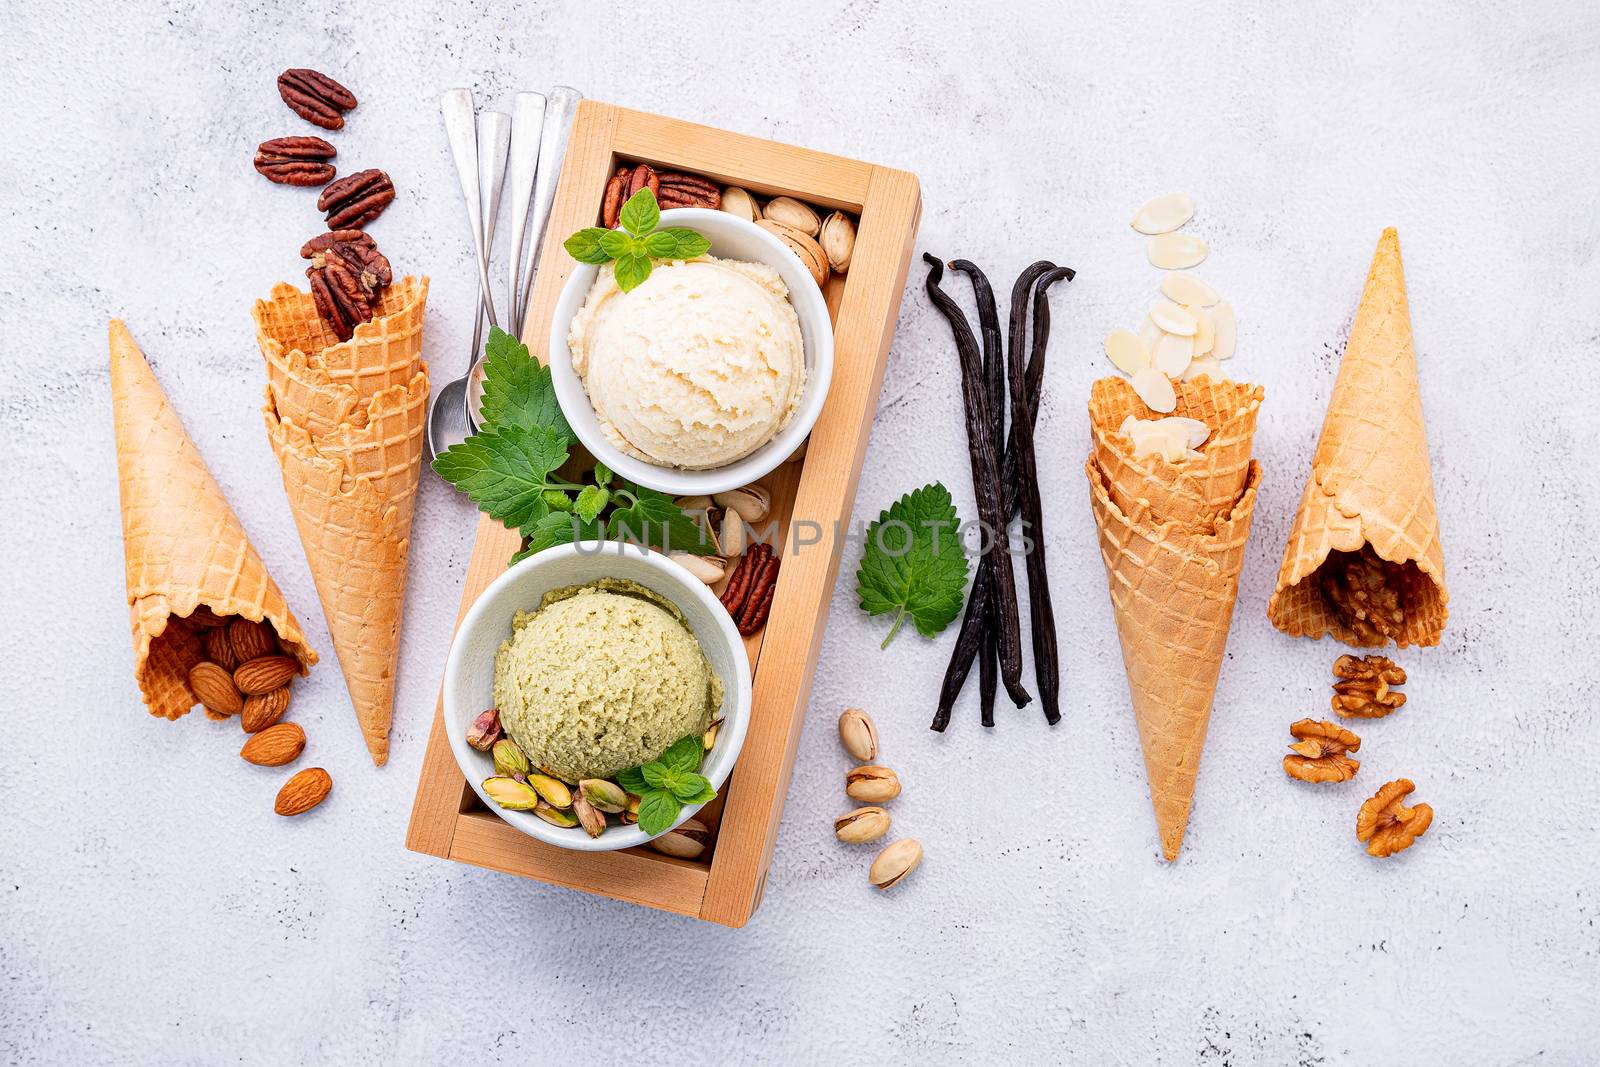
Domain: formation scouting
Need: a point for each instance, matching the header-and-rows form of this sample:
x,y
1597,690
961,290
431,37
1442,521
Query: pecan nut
x,y
688,190
315,97
348,275
1320,752
356,200
748,596
1364,692
623,184
1385,825
296,160
1368,593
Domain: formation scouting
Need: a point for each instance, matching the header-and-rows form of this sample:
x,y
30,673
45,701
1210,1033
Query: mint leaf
x,y
655,774
517,391
558,500
705,796
684,754
914,564
591,501
584,246
654,519
658,810
632,268
641,213
633,781
615,243
602,474
505,471
678,242
690,785
558,528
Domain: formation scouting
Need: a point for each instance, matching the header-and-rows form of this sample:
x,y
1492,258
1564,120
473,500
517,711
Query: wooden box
x,y
726,884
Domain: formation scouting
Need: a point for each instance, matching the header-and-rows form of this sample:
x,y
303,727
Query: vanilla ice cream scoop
x,y
699,365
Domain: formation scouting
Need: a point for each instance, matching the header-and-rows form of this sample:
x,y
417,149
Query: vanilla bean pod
x,y
977,636
994,379
1041,614
985,477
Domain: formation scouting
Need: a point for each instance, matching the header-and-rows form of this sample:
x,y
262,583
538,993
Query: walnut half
x,y
1386,825
1363,692
1319,753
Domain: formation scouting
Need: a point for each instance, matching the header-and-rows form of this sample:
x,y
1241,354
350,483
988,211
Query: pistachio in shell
x,y
510,793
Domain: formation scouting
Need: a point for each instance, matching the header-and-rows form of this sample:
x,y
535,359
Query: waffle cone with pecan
x,y
189,563
346,421
1172,538
1363,561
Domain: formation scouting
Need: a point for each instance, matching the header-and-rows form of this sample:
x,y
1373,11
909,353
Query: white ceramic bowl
x,y
469,670
731,238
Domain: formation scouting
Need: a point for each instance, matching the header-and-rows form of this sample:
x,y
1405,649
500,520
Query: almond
x,y
263,674
219,650
214,688
250,640
275,746
303,792
262,711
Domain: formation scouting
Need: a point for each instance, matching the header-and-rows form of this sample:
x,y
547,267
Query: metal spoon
x,y
527,125
447,423
561,105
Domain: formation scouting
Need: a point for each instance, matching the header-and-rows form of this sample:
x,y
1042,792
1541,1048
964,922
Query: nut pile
x,y
1190,329
519,785
245,673
1321,753
733,521
347,274
824,244
874,786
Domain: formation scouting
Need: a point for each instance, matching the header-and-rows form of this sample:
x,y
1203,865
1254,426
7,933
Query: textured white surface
x,y
153,909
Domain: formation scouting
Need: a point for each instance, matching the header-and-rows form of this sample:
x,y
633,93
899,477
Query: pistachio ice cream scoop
x,y
602,677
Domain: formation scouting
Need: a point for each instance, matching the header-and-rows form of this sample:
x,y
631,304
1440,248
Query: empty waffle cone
x,y
184,547
346,422
1172,539
1371,482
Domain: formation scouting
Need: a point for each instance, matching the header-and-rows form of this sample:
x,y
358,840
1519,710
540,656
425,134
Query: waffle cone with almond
x,y
189,562
1172,538
1363,562
346,421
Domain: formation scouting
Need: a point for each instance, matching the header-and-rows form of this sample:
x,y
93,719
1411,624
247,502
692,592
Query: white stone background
x,y
154,910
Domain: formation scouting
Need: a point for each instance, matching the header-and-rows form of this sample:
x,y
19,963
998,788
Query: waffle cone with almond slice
x,y
346,421
185,550
1371,483
1172,537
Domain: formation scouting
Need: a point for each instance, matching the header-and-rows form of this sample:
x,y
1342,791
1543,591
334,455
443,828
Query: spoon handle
x,y
527,126
456,107
560,108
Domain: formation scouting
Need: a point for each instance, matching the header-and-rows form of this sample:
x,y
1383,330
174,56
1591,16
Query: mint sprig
x,y
512,468
913,564
666,784
636,246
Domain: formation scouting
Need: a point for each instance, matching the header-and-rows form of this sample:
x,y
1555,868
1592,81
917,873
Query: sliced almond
x,y
1127,351
1227,330
1155,390
1205,329
1186,289
1164,213
1176,251
1150,334
1172,355
1195,432
1172,318
1204,365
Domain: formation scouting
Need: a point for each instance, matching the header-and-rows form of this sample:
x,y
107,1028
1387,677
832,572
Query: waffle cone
x,y
1371,482
1172,538
346,421
183,545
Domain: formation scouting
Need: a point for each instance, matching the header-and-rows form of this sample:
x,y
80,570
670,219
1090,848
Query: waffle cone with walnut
x,y
1321,752
1386,826
1363,562
1363,691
